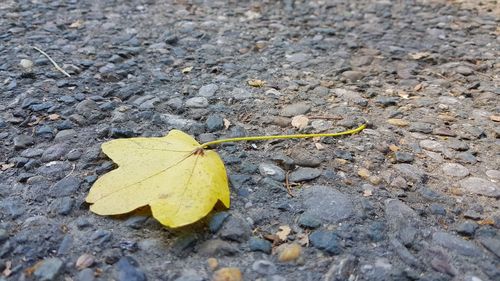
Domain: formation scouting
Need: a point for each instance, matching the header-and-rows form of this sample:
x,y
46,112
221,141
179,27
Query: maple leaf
x,y
180,181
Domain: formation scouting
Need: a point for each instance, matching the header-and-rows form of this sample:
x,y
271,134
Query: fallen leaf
x,y
419,55
186,70
319,146
495,118
300,121
367,192
180,181
76,24
256,83
227,123
53,117
283,232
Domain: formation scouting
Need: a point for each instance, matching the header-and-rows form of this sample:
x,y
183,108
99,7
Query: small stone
x,y
212,263
217,248
228,274
420,127
49,269
23,141
197,102
304,174
65,187
403,157
256,244
353,75
309,221
305,158
86,274
455,170
431,145
55,152
289,252
65,135
298,57
272,171
466,157
208,90
493,174
467,228
264,267
410,172
236,229
4,235
464,70
217,221
128,270
437,209
456,244
27,65
84,261
387,101
295,109
398,122
326,204
364,173
480,186
327,241
214,123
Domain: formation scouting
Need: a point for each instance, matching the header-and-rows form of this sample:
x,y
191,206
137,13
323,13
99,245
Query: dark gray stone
x,y
327,241
403,157
217,248
304,174
49,269
467,228
23,141
257,244
87,274
308,220
217,221
410,172
402,220
208,90
214,123
264,267
492,244
236,229
127,269
55,152
65,187
456,244
326,204
295,109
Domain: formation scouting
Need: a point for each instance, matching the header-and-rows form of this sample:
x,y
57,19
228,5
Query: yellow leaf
x,y
180,181
256,83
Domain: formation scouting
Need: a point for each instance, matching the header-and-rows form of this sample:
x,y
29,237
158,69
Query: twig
x,y
52,61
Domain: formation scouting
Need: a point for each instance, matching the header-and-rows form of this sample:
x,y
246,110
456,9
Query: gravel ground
x,y
412,197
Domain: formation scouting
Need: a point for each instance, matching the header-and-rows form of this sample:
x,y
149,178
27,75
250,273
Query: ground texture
x,y
412,197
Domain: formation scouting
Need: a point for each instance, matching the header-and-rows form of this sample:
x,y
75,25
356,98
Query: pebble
x,y
65,187
326,205
306,158
298,57
295,109
353,75
257,244
23,141
467,228
217,248
228,274
431,145
65,135
55,152
86,274
27,65
493,174
410,172
289,252
398,122
480,186
208,90
197,102
403,157
402,220
420,127
455,170
466,157
272,171
456,244
214,123
308,220
128,270
4,235
49,269
264,267
217,221
327,241
304,174
235,229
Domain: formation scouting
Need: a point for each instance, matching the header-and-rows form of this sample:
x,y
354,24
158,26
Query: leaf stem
x,y
299,136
